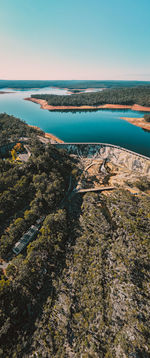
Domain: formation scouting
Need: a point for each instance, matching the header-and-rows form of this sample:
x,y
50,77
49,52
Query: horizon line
x,y
122,80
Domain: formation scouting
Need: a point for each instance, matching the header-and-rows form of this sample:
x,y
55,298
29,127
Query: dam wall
x,y
117,155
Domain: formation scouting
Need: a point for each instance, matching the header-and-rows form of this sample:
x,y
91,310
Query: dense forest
x,y
11,129
80,289
100,307
125,96
30,189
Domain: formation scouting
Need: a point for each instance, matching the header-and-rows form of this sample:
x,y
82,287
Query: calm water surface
x,y
99,126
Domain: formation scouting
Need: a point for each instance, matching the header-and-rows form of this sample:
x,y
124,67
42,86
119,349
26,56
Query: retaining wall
x,y
115,154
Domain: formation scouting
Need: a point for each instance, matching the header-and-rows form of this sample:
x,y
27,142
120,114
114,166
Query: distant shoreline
x,y
6,92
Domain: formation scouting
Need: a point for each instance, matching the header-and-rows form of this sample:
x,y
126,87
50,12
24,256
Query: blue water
x,y
98,126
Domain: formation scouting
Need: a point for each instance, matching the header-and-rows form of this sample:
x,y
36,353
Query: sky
x,y
75,39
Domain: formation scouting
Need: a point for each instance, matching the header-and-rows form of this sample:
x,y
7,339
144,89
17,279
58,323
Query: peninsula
x,y
44,105
119,96
135,99
139,122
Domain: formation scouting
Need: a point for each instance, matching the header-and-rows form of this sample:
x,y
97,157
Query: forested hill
x,y
125,96
81,287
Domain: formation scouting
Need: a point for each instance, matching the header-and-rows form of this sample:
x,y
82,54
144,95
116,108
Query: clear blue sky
x,y
75,39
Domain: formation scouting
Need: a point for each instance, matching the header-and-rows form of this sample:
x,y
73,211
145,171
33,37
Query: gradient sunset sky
x,y
75,39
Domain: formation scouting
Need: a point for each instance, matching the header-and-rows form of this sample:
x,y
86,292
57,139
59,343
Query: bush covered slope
x,y
12,128
100,307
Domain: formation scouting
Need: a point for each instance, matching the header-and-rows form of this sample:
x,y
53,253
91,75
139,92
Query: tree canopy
x,y
124,96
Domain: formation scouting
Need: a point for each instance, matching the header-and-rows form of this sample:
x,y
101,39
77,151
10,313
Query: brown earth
x,y
48,135
139,122
51,136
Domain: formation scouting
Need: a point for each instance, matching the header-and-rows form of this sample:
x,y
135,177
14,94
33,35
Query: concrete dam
x,y
109,152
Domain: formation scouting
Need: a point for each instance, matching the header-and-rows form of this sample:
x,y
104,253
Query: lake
x,y
94,126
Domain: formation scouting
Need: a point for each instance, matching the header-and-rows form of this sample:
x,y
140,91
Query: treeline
x,y
125,96
29,84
